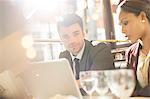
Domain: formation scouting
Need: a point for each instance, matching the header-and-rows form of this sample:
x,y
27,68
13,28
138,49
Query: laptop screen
x,y
46,79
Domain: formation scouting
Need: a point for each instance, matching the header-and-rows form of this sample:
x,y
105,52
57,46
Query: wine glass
x,y
102,87
88,81
121,82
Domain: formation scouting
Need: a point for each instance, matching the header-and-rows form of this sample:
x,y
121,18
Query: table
x,y
109,97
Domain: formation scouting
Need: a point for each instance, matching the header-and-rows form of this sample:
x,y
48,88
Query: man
x,y
89,57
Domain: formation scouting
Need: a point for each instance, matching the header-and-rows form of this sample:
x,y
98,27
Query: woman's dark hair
x,y
68,20
136,6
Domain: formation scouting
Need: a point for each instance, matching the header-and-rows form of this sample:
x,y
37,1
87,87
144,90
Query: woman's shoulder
x,y
133,48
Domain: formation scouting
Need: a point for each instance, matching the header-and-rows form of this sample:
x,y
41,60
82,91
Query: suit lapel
x,y
70,60
84,62
67,55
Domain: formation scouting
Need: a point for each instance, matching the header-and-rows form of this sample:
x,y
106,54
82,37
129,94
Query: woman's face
x,y
132,25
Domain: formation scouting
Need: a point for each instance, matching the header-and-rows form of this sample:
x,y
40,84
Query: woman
x,y
134,17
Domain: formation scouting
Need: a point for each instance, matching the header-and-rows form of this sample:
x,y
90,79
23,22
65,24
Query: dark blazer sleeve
x,y
61,55
64,54
102,57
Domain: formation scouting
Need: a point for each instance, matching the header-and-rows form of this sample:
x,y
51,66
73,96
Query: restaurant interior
x,y
28,35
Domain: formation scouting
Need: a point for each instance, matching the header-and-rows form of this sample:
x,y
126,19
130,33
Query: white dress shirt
x,y
78,56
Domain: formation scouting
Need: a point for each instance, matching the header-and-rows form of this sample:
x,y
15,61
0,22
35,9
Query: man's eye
x,y
76,33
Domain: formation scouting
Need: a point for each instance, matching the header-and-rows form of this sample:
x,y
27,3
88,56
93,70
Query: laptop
x,y
47,79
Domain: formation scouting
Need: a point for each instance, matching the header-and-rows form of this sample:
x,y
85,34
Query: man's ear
x,y
84,33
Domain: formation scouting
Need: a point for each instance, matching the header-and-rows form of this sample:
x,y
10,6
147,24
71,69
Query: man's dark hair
x,y
68,20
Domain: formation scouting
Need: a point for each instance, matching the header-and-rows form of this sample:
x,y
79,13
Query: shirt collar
x,y
79,55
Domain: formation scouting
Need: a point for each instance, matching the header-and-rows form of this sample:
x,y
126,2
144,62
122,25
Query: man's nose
x,y
72,39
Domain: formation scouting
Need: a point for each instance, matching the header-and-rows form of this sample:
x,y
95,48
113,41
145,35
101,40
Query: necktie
x,y
77,67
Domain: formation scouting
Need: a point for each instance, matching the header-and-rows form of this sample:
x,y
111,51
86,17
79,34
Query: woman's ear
x,y
142,16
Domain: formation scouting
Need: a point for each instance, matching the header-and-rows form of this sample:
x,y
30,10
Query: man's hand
x,y
78,82
81,89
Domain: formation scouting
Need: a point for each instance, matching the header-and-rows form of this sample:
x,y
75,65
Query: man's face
x,y
72,38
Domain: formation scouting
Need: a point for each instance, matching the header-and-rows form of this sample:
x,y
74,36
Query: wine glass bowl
x,y
88,81
95,81
102,88
121,82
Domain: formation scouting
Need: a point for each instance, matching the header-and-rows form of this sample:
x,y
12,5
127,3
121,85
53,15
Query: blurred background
x,y
36,19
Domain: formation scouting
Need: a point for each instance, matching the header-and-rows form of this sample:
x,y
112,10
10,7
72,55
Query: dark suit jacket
x,y
132,62
97,57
